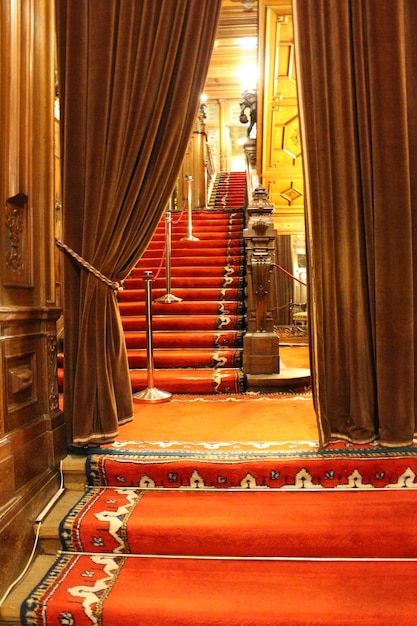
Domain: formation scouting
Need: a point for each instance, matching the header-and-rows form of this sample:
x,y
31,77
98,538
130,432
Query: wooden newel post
x,y
261,343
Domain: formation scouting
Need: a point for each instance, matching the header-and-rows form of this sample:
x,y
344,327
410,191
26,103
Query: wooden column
x,y
261,344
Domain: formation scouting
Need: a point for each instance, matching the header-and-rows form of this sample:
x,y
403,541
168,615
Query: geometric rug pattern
x,y
297,538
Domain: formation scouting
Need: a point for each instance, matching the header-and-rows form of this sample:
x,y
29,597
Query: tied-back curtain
x,y
357,63
131,73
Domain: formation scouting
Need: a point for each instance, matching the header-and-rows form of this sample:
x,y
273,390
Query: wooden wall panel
x,y
32,430
279,153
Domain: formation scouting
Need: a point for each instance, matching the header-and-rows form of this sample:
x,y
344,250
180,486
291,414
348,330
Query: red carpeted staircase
x,y
332,546
197,341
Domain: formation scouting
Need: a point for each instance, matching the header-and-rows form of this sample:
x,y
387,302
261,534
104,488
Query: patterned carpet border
x,y
348,452
302,391
330,469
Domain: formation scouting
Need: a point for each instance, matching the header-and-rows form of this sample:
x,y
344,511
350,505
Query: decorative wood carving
x,y
21,381
261,345
18,261
52,372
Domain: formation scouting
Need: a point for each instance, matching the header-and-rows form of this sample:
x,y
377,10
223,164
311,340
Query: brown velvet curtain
x,y
357,63
130,76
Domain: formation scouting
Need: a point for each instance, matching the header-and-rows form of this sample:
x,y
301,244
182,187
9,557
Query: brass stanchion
x,y
168,297
190,236
151,393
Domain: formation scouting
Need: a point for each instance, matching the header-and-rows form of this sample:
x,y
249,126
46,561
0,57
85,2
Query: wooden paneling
x,y
32,431
236,28
279,153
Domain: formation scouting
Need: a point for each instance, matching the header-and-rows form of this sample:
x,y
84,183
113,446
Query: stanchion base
x,y
190,238
152,394
168,298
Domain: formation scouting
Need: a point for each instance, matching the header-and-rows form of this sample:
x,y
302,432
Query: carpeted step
x,y
184,282
197,307
233,237
181,323
186,294
329,469
203,215
192,381
186,357
152,591
200,271
185,251
186,339
209,227
195,261
239,523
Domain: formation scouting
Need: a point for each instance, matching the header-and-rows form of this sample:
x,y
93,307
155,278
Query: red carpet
x,y
116,590
358,469
197,342
211,554
256,523
204,535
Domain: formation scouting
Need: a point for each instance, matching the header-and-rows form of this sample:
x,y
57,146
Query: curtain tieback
x,y
113,284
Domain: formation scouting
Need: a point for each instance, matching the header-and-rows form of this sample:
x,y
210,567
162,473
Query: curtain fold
x,y
356,63
131,73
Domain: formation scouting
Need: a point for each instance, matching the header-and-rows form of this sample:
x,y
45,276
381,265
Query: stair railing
x,y
168,297
261,343
210,169
190,236
151,393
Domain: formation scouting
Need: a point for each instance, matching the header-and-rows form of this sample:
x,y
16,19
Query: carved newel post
x,y
261,344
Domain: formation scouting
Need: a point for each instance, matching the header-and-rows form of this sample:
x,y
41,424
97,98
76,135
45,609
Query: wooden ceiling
x,y
238,26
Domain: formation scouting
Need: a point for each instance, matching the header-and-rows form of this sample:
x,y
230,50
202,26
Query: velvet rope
x,y
288,274
115,285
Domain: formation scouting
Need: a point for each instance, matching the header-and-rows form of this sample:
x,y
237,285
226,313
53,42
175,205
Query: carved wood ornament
x,y
18,250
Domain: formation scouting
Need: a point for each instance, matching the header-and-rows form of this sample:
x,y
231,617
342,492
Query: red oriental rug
x,y
256,523
109,590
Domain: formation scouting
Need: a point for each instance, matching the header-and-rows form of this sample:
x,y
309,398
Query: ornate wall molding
x,y
18,260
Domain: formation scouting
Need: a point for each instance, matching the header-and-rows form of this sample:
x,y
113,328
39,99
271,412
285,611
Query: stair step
x,y
186,357
209,282
10,609
226,307
223,523
185,339
190,271
191,380
141,590
50,542
181,323
181,251
233,237
73,467
194,261
186,295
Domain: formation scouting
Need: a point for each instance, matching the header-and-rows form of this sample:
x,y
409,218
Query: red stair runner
x,y
215,557
197,342
198,522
